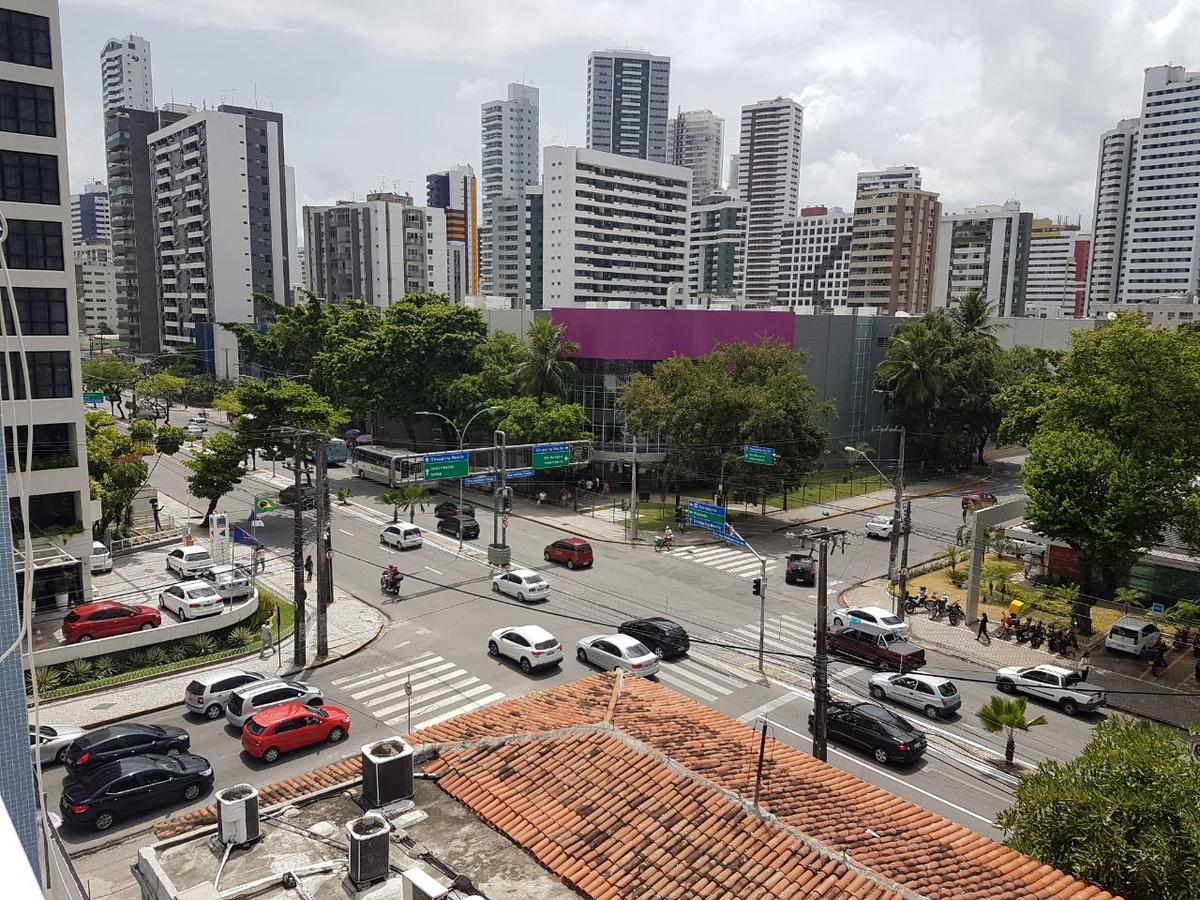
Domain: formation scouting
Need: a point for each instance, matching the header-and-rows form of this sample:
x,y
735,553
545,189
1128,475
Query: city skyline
x,y
983,128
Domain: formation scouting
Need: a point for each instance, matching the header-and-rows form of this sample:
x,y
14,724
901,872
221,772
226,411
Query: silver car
x,y
52,741
208,692
231,582
937,697
245,702
617,651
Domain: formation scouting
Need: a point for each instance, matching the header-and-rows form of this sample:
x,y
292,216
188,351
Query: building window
x,y
28,177
27,108
41,311
24,39
53,513
34,245
49,372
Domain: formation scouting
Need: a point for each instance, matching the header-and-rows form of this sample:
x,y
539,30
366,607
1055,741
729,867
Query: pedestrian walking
x,y
308,568
262,561
1085,665
982,633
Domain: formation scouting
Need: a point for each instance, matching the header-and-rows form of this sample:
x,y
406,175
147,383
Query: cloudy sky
x,y
994,101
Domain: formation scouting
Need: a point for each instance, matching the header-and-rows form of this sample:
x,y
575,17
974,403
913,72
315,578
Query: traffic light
x,y
679,515
506,500
757,589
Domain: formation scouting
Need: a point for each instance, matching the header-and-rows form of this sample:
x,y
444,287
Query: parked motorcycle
x,y
1007,627
955,614
1023,631
912,604
1038,637
1052,638
1183,638
1196,644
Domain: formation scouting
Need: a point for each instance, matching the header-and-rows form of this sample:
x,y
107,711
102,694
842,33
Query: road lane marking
x,y
344,531
766,708
433,570
671,678
390,682
436,675
441,704
477,704
424,693
690,674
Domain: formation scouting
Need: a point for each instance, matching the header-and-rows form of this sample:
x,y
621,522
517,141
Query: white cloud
x,y
471,88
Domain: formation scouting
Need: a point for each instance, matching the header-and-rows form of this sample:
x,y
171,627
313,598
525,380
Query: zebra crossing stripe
x,y
416,665
478,704
721,555
706,665
669,676
689,674
742,676
398,682
425,692
457,698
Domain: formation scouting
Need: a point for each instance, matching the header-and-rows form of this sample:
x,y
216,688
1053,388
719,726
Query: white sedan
x,y
874,619
192,599
617,651
880,527
530,646
934,696
524,584
52,741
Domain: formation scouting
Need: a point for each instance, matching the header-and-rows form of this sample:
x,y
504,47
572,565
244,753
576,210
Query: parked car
x,y
131,786
935,696
250,700
524,584
208,692
572,552
1132,635
189,562
51,742
403,535
193,432
451,508
617,651
230,581
530,646
282,729
874,619
106,618
308,496
801,569
101,559
879,527
192,599
149,413
664,637
454,524
882,650
112,742
200,422
1062,686
975,499
889,737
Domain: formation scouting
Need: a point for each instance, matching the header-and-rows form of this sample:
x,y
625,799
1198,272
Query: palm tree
x,y
412,496
972,316
1007,714
547,370
913,371
393,498
954,554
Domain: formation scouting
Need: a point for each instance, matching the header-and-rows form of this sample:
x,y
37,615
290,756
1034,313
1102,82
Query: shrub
x,y
241,637
265,612
106,666
178,651
957,577
48,678
343,495
203,645
156,656
78,670
133,661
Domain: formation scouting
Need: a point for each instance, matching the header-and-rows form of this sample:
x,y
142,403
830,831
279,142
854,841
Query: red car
x,y
972,499
572,552
106,618
282,729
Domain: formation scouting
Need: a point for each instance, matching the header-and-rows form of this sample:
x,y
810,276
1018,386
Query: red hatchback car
x,y
281,729
572,552
972,499
106,618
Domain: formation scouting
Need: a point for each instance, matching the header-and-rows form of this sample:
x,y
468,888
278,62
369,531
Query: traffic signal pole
x,y
299,634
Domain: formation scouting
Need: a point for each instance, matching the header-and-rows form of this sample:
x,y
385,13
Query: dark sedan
x,y
132,786
887,736
114,742
450,508
664,637
454,524
801,569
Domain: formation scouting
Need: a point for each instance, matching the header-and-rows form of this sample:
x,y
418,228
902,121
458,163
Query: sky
x,y
994,101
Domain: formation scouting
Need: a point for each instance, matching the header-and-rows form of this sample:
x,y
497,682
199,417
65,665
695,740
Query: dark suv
x,y
888,737
453,524
308,496
664,637
801,569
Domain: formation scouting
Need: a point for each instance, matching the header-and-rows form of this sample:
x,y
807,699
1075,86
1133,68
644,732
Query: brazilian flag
x,y
265,505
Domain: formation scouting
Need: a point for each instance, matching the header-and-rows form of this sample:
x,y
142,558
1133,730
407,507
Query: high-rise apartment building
x,y
455,193
892,251
893,178
985,248
43,408
731,178
1058,260
696,138
1153,163
509,165
533,255
717,247
814,258
614,228
627,103
96,287
125,76
769,180
90,216
221,205
135,222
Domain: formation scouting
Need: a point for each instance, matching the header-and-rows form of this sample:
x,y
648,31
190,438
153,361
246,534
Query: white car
x,y
617,651
874,619
402,535
524,584
192,599
187,562
936,697
1065,687
101,559
531,646
52,741
879,527
200,422
193,432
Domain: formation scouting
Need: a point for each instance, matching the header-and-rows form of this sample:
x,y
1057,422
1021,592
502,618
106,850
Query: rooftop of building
x,y
622,787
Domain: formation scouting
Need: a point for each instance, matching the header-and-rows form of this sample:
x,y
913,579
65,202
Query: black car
x,y
664,637
450,509
451,526
889,737
131,786
105,745
308,496
801,569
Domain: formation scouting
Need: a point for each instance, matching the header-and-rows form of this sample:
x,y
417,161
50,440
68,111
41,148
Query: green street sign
x,y
551,456
760,456
445,465
706,515
93,397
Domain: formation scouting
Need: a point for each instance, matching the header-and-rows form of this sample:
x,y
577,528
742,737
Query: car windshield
x,y
636,649
254,728
947,689
200,554
1073,679
890,620
318,712
195,687
887,717
546,645
533,579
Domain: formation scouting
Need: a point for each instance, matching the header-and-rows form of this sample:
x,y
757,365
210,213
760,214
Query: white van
x,y
401,535
101,559
1131,635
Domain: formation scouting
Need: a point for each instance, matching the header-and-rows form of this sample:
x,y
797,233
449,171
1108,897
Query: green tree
x,y
393,498
1122,814
141,431
1007,714
111,375
162,388
914,369
548,369
217,468
492,378
295,336
527,420
972,315
199,390
168,439
124,476
268,409
410,498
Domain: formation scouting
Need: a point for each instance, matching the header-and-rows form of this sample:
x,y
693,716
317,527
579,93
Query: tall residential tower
x,y
125,76
628,100
509,166
695,139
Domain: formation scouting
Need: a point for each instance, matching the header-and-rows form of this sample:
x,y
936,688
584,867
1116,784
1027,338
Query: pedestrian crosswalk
x,y
704,676
741,563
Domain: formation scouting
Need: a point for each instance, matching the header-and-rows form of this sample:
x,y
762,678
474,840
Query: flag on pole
x,y
244,537
265,505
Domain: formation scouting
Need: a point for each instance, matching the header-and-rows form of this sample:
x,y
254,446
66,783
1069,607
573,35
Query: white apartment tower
x,y
814,258
125,77
696,139
769,180
1058,259
731,178
1108,211
985,248
96,287
628,99
893,178
91,218
614,228
509,166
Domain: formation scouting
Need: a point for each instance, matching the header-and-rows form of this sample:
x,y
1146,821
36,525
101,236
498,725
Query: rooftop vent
x,y
369,845
387,768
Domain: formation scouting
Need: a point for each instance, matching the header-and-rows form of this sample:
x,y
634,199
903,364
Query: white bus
x,y
389,465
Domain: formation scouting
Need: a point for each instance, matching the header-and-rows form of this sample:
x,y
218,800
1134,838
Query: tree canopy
x,y
111,375
547,369
216,469
269,409
527,420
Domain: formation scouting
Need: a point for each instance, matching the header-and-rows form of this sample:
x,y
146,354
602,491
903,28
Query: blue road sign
x,y
706,515
729,538
1158,608
480,479
510,474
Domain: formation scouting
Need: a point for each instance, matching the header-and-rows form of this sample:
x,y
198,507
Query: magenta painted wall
x,y
653,334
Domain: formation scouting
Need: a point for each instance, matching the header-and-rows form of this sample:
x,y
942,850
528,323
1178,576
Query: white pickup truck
x,y
1061,686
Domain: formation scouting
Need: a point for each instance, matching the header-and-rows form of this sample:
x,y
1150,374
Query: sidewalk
x,y
1150,698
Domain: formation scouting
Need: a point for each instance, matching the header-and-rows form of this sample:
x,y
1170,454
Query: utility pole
x,y
821,663
762,749
498,553
902,585
299,636
502,442
896,511
324,550
633,501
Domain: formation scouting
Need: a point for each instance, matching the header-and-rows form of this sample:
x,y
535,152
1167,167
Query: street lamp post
x,y
898,484
461,434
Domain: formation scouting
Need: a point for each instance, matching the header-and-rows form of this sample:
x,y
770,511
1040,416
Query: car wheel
x,y
581,655
877,692
191,792
931,712
335,734
493,648
146,626
213,711
1069,706
63,755
837,622
521,596
84,638
525,666
1006,686
570,564
880,755
270,754
316,701
495,588
103,821
546,555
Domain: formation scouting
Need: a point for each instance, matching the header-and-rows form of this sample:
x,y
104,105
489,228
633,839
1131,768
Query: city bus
x,y
337,452
390,465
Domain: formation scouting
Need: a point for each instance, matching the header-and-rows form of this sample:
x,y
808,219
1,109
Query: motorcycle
x,y
1038,636
664,543
955,614
1023,631
1006,628
912,604
1053,637
1196,644
1183,638
390,584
